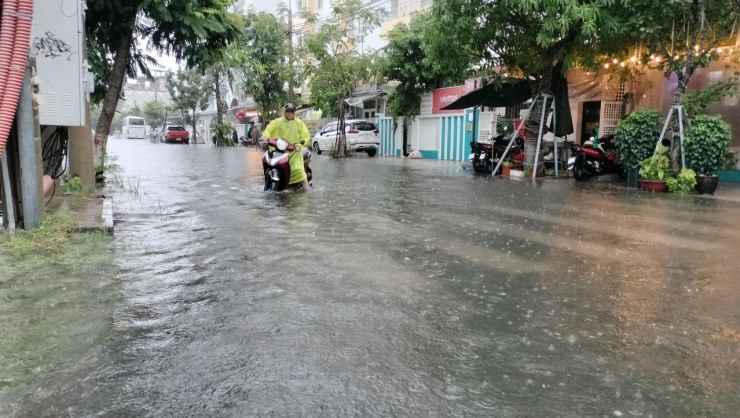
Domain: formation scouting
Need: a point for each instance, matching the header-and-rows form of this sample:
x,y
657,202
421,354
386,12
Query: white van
x,y
133,127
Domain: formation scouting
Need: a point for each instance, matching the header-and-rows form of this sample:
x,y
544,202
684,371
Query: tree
x,y
335,66
190,92
405,61
154,113
189,30
533,38
221,69
677,37
266,47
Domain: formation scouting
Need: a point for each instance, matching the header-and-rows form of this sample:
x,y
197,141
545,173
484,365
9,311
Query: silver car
x,y
362,136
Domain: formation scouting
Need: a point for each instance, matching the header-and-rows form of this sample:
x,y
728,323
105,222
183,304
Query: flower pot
x,y
658,186
505,171
540,172
706,184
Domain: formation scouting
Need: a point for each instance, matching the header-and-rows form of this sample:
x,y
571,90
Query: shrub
x,y
636,137
706,144
656,167
683,183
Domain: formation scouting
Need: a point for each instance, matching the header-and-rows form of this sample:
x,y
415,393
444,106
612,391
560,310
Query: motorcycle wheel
x,y
488,168
477,166
579,170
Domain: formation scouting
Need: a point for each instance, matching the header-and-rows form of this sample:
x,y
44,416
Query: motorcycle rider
x,y
294,131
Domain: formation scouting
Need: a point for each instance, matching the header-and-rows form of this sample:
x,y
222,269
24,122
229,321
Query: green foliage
x,y
696,102
333,61
266,48
154,113
677,36
405,61
52,312
109,167
707,143
73,185
222,131
683,183
529,37
45,239
193,31
190,92
636,136
656,167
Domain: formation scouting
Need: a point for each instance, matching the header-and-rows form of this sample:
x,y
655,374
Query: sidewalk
x,y
93,214
726,190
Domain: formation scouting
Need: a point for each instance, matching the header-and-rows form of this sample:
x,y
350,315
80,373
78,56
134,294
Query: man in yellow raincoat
x,y
292,130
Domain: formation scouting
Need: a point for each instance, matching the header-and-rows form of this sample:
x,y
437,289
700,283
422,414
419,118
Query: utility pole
x,y
290,50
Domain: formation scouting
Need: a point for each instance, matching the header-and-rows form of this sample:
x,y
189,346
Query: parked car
x,y
362,136
174,133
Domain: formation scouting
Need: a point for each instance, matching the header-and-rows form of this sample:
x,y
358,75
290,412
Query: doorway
x,y
590,119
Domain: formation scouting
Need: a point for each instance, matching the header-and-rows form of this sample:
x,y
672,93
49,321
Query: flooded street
x,y
403,288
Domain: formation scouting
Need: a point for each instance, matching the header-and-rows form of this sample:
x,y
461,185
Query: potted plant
x,y
683,183
506,168
635,137
706,145
654,171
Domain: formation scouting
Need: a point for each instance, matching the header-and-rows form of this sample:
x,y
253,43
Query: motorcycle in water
x,y
588,161
485,154
276,165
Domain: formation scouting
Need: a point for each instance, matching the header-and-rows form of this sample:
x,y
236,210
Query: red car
x,y
173,133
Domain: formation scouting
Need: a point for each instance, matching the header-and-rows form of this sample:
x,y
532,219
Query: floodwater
x,y
404,288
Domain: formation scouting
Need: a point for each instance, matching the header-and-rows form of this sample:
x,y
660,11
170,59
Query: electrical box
x,y
57,45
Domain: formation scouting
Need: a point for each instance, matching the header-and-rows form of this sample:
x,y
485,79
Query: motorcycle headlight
x,y
274,175
282,144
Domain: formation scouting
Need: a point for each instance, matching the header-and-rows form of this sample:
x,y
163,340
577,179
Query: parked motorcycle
x,y
588,161
485,155
276,165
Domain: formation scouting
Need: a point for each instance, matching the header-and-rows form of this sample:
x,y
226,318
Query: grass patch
x,y
56,298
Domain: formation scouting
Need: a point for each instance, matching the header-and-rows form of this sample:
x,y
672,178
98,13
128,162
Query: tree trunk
x,y
342,135
219,110
532,127
115,85
195,128
683,81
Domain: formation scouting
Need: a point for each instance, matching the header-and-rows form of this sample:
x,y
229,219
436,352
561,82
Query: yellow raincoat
x,y
292,131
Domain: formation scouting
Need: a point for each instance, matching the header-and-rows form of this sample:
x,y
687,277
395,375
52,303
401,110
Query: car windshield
x,y
363,126
175,128
136,122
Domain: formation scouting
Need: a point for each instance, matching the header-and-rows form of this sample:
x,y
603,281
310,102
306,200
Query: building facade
x,y
140,90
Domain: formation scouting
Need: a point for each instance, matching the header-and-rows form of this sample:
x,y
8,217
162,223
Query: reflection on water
x,y
406,288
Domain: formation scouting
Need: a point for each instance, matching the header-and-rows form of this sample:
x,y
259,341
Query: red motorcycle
x,y
276,165
486,154
588,161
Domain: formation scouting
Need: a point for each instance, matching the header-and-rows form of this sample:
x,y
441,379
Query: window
x,y
321,4
133,121
363,126
329,128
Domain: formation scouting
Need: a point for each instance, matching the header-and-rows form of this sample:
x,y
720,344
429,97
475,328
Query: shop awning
x,y
503,93
359,100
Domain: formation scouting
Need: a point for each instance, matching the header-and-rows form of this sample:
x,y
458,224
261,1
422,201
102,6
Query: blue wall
x,y
387,141
453,144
